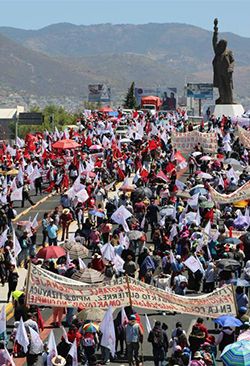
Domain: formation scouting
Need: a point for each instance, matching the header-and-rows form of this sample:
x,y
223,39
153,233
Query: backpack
x,y
88,340
157,337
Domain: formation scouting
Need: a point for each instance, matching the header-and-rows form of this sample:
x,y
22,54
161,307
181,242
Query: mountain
x,y
62,59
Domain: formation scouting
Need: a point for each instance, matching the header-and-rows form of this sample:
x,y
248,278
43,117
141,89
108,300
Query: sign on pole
x,y
200,90
30,118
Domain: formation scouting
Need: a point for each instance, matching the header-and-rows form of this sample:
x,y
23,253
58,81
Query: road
x,y
170,320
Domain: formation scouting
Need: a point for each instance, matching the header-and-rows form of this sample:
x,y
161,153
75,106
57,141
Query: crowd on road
x,y
138,206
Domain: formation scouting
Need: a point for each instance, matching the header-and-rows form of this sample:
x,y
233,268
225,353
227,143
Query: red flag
x,y
152,145
170,167
179,157
144,173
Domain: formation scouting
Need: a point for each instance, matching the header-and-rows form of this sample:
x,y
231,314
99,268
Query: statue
x,y
223,64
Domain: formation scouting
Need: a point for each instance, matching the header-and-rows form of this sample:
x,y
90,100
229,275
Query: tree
x,y
130,100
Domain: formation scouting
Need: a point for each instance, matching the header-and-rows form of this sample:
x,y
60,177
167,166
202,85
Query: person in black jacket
x,y
158,338
12,281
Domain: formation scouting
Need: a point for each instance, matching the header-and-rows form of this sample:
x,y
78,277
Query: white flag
x,y
17,246
198,218
3,320
82,265
173,232
20,142
118,263
35,341
3,238
21,336
35,174
34,223
124,318
17,194
207,229
82,195
108,331
19,176
120,216
52,348
73,354
148,325
193,201
108,252
65,335
192,263
8,358
172,257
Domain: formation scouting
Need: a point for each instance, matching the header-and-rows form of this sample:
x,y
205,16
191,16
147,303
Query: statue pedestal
x,y
228,110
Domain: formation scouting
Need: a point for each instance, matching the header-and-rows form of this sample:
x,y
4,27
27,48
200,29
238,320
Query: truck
x,y
151,104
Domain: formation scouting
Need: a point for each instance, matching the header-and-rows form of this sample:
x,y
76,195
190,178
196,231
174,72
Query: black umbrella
x,y
228,264
144,192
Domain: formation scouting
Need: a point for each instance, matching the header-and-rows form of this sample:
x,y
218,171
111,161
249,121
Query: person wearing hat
x,y
58,361
133,336
65,220
197,360
97,263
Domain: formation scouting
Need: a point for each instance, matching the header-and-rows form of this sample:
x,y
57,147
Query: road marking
x,y
44,199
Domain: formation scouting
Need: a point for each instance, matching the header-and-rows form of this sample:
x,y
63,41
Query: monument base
x,y
228,110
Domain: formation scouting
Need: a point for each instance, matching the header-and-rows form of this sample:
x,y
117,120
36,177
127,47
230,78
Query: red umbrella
x,y
106,109
66,144
51,252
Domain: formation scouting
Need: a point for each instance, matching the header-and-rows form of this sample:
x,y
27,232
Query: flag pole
x,y
129,292
27,282
234,297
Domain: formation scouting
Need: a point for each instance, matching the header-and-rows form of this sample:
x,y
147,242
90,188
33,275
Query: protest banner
x,y
47,289
244,137
186,141
242,193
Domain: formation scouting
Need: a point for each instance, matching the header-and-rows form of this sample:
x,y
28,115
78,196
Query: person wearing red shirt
x,y
65,220
97,263
199,324
73,334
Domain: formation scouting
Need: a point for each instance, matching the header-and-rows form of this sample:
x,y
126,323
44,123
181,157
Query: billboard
x,y
30,118
200,90
99,93
168,96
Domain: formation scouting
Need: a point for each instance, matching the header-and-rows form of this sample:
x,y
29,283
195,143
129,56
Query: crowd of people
x,y
167,216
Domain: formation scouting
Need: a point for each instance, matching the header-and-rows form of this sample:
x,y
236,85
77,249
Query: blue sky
x,y
233,15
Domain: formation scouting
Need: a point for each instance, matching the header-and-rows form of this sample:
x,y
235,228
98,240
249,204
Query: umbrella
x,y
199,188
16,294
51,252
127,188
96,213
240,204
12,172
205,175
76,250
90,328
183,194
231,241
96,147
106,109
66,144
228,321
135,234
206,204
196,153
88,275
233,162
245,336
228,264
144,192
125,141
167,210
93,314
206,158
236,354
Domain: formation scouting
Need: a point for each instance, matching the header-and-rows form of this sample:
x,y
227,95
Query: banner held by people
x,y
46,289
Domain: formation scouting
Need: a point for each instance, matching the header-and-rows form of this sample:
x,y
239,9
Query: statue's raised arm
x,y
223,65
215,35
